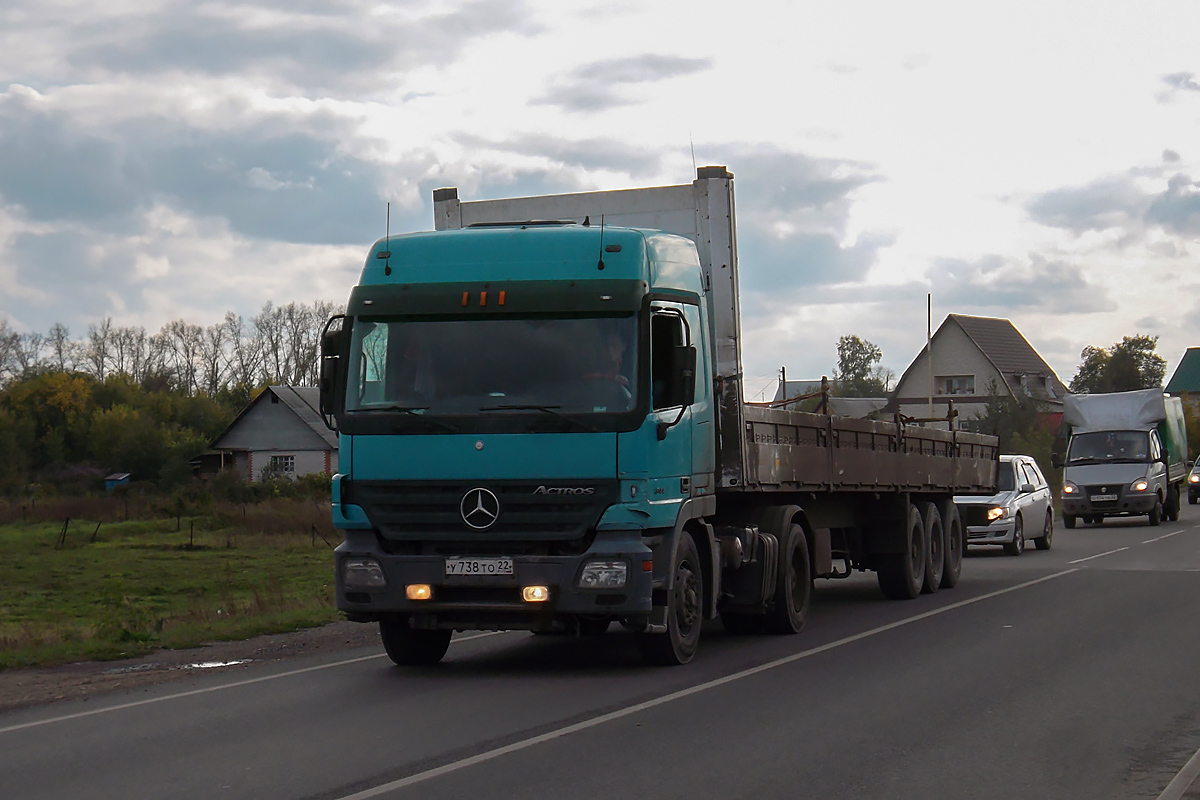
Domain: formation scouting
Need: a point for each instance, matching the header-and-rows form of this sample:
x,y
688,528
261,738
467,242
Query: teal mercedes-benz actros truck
x,y
542,427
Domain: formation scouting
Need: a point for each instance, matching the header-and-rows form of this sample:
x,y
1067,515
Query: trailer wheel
x,y
901,575
955,544
1069,520
684,611
793,587
407,646
935,548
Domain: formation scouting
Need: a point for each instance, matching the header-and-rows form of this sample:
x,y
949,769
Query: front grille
x,y
431,510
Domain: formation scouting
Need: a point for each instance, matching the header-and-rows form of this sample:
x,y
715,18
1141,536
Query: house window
x,y
955,384
282,465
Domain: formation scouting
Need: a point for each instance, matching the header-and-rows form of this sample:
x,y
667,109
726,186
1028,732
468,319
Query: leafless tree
x,y
62,349
98,347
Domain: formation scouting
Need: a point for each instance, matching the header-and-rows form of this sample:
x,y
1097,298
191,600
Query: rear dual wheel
x,y
935,548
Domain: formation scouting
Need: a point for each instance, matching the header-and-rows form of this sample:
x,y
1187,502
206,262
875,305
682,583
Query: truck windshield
x,y
493,366
1108,446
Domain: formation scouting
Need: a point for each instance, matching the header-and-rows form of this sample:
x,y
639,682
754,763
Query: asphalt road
x,y
1070,673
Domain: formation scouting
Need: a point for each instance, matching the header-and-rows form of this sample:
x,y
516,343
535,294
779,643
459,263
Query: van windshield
x,y
1109,446
575,365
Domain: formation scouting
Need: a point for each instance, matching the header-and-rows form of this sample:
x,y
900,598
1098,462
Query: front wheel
x,y
1017,545
1155,515
1043,541
1068,521
685,607
407,646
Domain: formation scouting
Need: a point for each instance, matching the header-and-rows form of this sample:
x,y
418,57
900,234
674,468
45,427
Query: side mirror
x,y
1056,460
1028,488
333,345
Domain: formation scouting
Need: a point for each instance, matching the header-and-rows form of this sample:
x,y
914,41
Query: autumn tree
x,y
1128,365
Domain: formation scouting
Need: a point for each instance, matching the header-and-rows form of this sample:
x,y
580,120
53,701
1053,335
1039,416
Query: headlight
x,y
996,512
363,573
1194,478
603,575
1070,488
1139,485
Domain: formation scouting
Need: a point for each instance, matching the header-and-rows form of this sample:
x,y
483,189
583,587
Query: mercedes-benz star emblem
x,y
479,508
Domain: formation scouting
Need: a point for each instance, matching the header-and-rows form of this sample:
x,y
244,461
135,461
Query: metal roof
x,y
1186,377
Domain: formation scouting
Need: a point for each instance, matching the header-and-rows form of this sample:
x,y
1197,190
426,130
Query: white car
x,y
1021,510
1194,483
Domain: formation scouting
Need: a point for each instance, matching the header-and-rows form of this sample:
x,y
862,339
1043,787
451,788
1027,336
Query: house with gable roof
x,y
973,359
1185,381
280,432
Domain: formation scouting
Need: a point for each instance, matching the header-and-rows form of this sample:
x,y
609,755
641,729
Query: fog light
x,y
603,575
418,591
535,594
363,573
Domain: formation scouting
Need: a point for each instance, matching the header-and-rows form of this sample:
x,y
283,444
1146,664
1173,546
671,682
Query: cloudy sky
x,y
166,159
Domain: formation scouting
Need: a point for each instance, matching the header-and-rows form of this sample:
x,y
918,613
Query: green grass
x,y
142,585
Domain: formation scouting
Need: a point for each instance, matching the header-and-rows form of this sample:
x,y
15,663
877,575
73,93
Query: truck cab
x,y
537,451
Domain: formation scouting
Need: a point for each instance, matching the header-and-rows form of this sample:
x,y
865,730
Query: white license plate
x,y
479,566
1100,498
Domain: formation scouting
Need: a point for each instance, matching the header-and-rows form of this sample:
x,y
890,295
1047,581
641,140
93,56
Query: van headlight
x,y
1070,488
1140,485
1194,478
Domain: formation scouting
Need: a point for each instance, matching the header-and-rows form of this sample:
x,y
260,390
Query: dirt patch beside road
x,y
20,688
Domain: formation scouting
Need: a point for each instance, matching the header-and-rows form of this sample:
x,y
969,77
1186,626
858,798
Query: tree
x,y
858,371
1128,365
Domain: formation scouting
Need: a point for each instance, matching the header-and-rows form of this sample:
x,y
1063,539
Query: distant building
x,y
281,432
974,358
786,390
116,479
1185,382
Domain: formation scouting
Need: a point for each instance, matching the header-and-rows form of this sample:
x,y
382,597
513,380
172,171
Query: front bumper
x,y
495,602
1126,504
999,532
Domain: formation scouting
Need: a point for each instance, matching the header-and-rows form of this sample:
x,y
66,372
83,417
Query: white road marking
x,y
1181,782
566,730
1164,536
1098,555
235,684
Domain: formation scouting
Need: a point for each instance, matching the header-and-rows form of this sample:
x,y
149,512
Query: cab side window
x,y
666,333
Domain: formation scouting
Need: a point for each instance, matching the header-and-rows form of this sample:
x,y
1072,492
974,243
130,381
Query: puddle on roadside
x,y
157,665
215,664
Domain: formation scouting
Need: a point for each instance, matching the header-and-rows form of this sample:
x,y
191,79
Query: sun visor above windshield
x,y
620,295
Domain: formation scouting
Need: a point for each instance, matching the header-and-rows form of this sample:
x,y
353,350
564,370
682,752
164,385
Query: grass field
x,y
118,589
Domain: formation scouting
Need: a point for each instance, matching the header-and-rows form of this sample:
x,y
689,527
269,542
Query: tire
x,y
1043,542
589,626
1172,507
685,611
956,544
407,646
1068,520
1017,545
1192,499
935,548
902,575
1156,513
793,585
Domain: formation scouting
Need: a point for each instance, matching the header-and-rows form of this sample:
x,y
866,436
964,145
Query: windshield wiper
x,y
552,410
416,412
